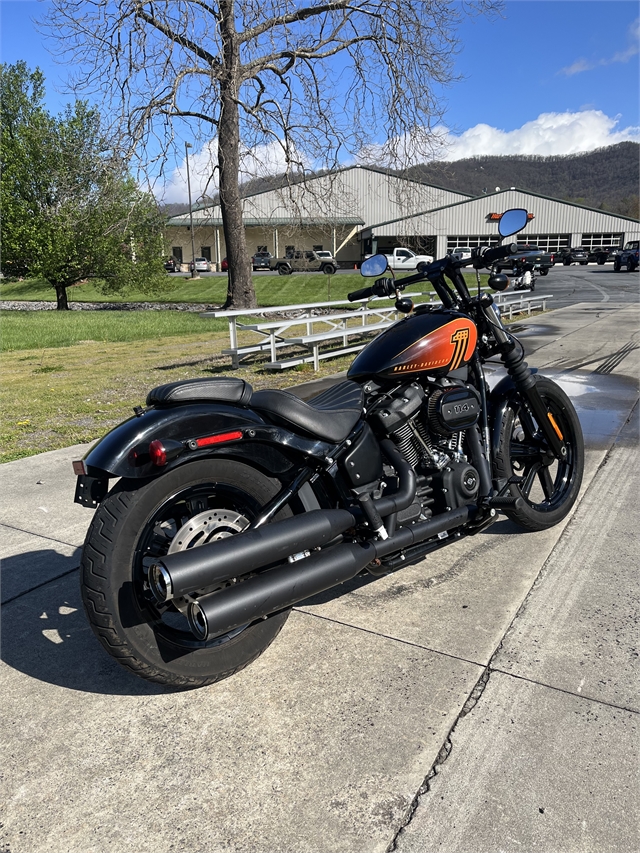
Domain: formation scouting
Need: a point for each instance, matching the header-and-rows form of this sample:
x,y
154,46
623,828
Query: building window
x,y
593,241
205,252
176,251
317,248
545,242
472,240
262,249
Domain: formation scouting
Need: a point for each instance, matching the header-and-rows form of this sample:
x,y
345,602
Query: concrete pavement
x,y
483,700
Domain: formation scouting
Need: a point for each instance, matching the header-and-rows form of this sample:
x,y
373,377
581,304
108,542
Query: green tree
x,y
70,209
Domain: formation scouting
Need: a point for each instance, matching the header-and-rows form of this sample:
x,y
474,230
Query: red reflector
x,y
219,439
79,467
157,453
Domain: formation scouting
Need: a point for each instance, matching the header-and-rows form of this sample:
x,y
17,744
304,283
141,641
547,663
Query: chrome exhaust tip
x,y
197,621
160,583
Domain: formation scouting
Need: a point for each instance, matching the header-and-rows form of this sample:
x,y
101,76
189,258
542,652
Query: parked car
x,y
202,265
327,256
224,266
261,261
528,257
463,253
602,254
172,264
629,257
577,255
300,261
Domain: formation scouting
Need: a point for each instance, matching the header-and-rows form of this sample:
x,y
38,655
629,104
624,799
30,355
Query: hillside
x,y
606,178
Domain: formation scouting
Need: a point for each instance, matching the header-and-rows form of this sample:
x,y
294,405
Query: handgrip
x,y
491,255
363,293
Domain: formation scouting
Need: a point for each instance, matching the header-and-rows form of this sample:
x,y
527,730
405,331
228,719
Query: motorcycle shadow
x,y
46,636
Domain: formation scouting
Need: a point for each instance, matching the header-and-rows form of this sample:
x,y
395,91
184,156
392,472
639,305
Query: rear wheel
x,y
631,265
138,523
548,487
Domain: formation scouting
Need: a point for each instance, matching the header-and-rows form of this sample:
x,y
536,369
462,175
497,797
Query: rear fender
x,y
124,451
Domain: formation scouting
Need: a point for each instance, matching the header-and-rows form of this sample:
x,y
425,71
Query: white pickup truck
x,y
405,259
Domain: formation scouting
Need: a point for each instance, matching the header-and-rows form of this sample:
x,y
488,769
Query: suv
x,y
629,256
300,261
579,255
602,254
261,261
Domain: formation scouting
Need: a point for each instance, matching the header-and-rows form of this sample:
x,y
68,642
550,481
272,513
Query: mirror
x,y
374,266
512,221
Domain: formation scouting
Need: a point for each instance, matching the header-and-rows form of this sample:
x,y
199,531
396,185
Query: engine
x,y
428,425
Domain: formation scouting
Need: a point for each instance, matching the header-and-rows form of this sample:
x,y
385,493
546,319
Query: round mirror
x,y
374,266
512,221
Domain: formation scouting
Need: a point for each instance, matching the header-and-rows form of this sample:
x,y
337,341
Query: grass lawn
x,y
41,330
69,377
270,290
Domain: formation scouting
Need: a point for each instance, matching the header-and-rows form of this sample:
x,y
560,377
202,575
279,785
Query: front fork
x,y
523,379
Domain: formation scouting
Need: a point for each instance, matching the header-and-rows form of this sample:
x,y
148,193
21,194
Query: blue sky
x,y
548,77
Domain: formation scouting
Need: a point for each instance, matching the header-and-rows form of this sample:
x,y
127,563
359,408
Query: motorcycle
x,y
233,505
523,279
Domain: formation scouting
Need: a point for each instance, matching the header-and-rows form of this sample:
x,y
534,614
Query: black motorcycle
x,y
231,506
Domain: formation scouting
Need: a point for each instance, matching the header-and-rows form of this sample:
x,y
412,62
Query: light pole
x,y
188,145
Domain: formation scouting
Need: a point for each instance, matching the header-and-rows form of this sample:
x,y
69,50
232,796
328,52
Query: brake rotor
x,y
208,526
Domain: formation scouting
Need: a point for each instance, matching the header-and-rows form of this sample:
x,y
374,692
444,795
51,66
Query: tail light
x,y
161,452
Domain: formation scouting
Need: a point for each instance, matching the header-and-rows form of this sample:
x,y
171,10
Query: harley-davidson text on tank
x,y
435,342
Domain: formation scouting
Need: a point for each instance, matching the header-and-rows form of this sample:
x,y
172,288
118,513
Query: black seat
x,y
223,389
330,416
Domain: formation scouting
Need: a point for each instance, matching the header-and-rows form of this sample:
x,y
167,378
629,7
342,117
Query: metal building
x,y
473,222
359,210
325,212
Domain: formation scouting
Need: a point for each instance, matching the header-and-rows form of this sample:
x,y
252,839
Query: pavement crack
x,y
443,754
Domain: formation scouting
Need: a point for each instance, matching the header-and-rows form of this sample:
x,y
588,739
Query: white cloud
x,y
549,134
581,65
257,162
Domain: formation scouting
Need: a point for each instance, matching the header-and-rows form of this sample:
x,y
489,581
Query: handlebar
x,y
488,256
363,293
482,256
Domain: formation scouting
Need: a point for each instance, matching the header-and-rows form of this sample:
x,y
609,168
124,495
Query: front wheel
x,y
548,487
197,503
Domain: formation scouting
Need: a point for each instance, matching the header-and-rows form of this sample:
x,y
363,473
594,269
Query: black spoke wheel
x,y
138,522
548,487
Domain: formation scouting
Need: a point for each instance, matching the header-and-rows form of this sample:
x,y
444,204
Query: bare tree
x,y
321,82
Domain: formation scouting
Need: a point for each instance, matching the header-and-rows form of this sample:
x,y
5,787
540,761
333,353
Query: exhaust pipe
x,y
187,571
225,610
220,612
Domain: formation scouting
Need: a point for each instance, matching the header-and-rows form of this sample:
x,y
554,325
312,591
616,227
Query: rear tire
x,y
548,487
136,524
